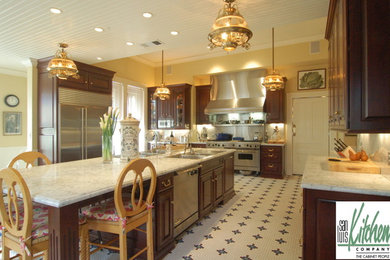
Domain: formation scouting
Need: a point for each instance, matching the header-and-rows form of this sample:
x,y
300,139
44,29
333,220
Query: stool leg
x,y
149,235
123,246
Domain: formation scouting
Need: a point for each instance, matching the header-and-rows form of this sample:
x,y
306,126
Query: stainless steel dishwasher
x,y
185,199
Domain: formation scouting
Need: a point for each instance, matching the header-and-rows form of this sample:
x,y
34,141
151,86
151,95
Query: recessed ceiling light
x,y
99,58
147,15
174,33
130,43
99,29
55,11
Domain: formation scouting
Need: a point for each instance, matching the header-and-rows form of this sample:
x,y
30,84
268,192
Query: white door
x,y
310,130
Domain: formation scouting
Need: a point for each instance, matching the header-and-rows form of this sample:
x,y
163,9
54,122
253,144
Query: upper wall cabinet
x,y
359,65
202,100
273,106
173,113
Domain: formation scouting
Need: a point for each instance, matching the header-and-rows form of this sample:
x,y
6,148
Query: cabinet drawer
x,y
100,83
271,149
164,182
272,168
271,157
211,164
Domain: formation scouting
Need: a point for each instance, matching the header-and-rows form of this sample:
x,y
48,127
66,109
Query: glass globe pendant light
x,y
230,29
61,66
162,92
273,81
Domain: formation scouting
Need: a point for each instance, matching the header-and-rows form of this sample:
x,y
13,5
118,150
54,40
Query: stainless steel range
x,y
247,155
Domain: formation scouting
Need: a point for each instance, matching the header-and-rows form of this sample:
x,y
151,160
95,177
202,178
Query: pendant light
x,y
230,29
273,81
61,66
162,92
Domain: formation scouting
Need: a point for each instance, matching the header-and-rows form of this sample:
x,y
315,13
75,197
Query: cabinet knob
x,y
270,165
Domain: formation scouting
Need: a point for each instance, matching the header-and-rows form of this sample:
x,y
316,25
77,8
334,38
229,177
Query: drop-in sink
x,y
188,156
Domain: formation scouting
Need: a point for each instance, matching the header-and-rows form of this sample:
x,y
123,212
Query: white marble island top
x,y
62,184
317,176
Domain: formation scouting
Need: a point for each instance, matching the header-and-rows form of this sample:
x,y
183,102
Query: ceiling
x,y
30,30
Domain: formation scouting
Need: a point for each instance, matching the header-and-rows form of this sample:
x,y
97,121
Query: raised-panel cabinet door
x,y
100,83
202,100
206,188
164,218
229,174
218,184
274,106
80,83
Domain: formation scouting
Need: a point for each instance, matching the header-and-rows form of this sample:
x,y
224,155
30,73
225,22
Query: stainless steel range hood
x,y
236,92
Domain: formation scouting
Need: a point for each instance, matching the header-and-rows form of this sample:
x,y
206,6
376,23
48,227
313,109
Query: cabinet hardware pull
x,y
271,149
231,157
270,165
166,184
271,155
172,202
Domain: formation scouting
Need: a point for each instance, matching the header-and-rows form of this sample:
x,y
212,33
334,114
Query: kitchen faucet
x,y
188,144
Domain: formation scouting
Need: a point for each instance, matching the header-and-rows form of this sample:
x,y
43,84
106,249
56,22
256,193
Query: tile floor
x,y
262,222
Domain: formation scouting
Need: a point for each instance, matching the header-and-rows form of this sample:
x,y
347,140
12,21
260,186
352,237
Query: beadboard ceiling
x,y
29,30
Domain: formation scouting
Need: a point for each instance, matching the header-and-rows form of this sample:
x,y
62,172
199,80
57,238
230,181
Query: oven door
x,y
247,160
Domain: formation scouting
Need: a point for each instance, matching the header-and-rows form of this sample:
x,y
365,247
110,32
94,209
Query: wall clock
x,y
11,100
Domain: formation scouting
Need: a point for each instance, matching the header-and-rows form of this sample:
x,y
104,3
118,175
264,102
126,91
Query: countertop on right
x,y
317,176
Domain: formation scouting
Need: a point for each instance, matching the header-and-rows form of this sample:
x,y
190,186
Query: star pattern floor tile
x,y
261,222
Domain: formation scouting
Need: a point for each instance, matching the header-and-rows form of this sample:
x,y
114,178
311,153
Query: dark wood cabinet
x,y
173,113
198,145
202,100
359,62
212,184
92,79
229,177
271,161
164,240
274,107
206,190
319,221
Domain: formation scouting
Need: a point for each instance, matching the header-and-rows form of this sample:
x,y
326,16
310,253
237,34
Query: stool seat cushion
x,y
104,211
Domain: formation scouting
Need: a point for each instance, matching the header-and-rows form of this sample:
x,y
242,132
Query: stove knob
x,y
223,145
250,146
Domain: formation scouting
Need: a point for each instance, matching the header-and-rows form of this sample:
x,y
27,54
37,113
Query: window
x,y
130,100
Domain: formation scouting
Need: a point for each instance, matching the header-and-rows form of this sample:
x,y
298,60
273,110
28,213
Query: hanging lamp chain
x,y
162,67
273,51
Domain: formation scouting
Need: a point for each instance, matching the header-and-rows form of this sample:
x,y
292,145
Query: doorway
x,y
309,130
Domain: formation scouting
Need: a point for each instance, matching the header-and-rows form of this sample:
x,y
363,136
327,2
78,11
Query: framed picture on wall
x,y
312,79
12,123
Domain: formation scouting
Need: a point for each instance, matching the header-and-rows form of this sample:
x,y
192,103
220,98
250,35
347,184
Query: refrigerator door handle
x,y
82,133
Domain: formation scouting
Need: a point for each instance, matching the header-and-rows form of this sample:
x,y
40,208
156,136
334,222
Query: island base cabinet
x,y
228,179
206,188
319,221
164,240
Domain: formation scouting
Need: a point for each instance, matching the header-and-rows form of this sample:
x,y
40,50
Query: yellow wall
x,y
131,69
291,57
17,86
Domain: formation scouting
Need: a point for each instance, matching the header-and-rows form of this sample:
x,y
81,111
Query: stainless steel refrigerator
x,y
80,134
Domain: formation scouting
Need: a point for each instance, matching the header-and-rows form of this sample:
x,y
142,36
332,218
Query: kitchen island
x,y
322,188
66,187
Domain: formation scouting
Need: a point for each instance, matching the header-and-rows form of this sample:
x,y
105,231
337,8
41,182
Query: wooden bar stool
x,y
29,158
122,214
25,227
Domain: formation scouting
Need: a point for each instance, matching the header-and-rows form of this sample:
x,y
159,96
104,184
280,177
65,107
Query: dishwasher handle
x,y
190,171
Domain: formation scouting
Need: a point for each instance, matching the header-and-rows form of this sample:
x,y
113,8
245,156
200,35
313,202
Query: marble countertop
x,y
317,176
62,184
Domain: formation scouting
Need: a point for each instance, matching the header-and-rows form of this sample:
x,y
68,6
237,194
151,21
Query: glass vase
x,y
107,148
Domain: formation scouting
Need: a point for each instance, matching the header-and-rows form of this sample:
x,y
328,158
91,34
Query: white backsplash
x,y
375,143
